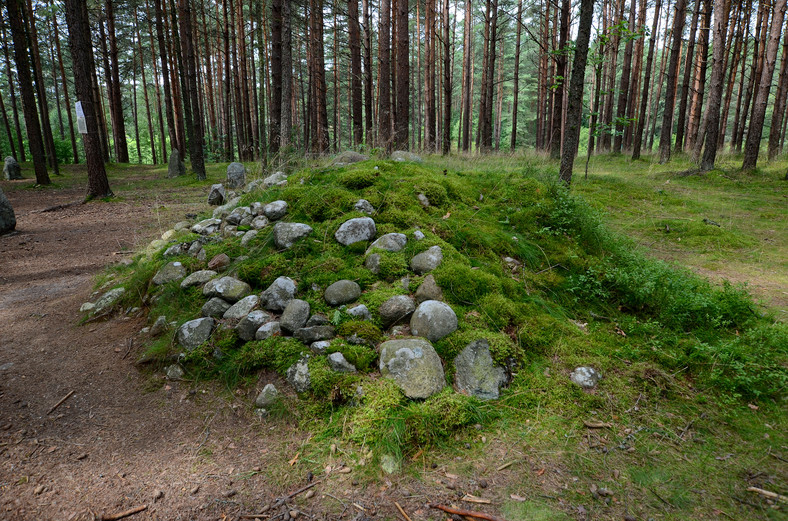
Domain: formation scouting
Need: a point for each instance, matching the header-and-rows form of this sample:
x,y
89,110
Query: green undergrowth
x,y
527,266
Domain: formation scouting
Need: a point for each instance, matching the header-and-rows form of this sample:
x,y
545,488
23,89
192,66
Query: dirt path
x,y
115,443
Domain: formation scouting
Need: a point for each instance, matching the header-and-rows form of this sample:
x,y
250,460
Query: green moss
x,y
329,384
357,179
366,330
392,265
502,347
435,192
439,416
381,400
361,356
464,285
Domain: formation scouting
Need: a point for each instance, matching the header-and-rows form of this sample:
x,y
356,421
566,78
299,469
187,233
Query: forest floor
x,y
126,437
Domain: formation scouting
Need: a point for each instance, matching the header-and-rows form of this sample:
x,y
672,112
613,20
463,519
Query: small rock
x,y
392,242
39,490
295,315
349,157
339,364
418,235
176,249
107,300
168,235
433,320
405,156
216,195
389,464
158,495
287,234
267,397
360,312
198,278
259,222
309,494
207,226
278,294
275,210
423,201
356,230
428,290
226,208
236,175
320,347
219,262
160,326
248,237
194,332
476,374
396,309
414,365
242,308
364,206
238,214
372,263
276,179
87,306
169,272
268,330
309,335
248,326
317,320
483,483
342,292
298,375
227,288
585,377
215,307
427,261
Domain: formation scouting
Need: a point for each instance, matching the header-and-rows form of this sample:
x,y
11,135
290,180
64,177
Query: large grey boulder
x,y
414,365
175,166
287,234
248,326
349,157
295,315
195,332
298,375
7,216
356,230
339,364
401,156
169,272
242,308
215,307
216,195
390,242
107,300
278,294
275,210
397,309
11,169
275,179
433,320
476,373
585,377
429,290
267,397
342,292
236,175
228,288
207,226
427,261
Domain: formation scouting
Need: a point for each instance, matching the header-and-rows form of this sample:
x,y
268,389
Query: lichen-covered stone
x,y
342,292
169,272
433,320
414,365
248,326
242,308
268,330
198,278
295,315
275,210
195,332
227,288
308,335
287,234
427,261
339,364
397,309
356,230
390,242
236,175
429,290
585,377
298,375
278,294
215,307
476,374
267,397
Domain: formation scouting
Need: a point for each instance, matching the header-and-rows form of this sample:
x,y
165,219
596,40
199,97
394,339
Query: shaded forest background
x,y
259,80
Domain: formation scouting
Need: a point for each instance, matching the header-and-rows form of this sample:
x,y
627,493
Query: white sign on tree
x,y
81,124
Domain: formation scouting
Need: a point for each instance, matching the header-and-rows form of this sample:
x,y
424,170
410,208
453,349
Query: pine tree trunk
x,y
151,137
753,144
384,77
623,93
712,115
12,94
736,54
401,119
7,128
689,68
694,119
447,80
606,140
191,94
83,68
563,73
66,97
516,86
636,146
368,101
35,140
467,67
575,97
778,111
667,118
116,104
755,72
286,127
355,71
168,99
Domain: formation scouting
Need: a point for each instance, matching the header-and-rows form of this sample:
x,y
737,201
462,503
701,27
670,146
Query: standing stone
x,y
7,217
175,167
433,320
236,175
427,261
476,373
414,365
194,332
278,294
216,195
295,315
342,292
356,230
287,234
11,169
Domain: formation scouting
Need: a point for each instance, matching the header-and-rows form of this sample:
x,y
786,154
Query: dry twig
x,y
469,513
125,513
58,404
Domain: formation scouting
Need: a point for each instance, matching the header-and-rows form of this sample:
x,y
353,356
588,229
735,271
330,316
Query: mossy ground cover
x,y
693,395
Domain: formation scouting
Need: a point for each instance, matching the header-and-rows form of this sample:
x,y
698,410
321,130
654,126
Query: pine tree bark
x,y
736,27
778,111
467,67
163,54
562,62
384,77
7,128
753,144
575,97
623,92
66,97
368,100
694,122
191,93
116,103
666,133
286,127
12,93
15,9
319,78
354,42
516,86
447,80
401,119
83,67
756,66
713,106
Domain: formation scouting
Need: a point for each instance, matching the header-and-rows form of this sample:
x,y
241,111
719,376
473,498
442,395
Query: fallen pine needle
x,y
407,518
125,513
506,465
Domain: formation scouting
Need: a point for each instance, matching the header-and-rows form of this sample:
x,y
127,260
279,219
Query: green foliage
x,y
362,329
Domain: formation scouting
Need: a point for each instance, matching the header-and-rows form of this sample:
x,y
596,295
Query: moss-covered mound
x,y
524,266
